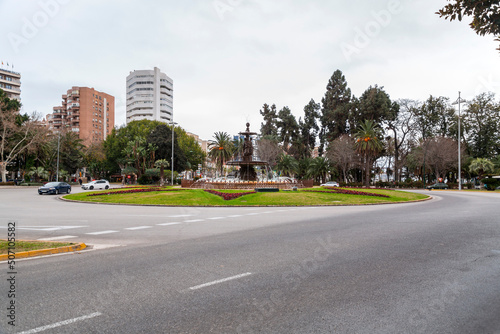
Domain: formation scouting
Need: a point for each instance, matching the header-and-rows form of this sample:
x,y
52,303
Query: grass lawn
x,y
199,197
24,246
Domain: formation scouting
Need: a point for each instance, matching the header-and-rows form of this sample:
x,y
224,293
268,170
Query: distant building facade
x,y
86,111
10,83
150,96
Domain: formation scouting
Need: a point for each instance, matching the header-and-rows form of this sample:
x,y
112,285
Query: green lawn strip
x,y
199,197
24,246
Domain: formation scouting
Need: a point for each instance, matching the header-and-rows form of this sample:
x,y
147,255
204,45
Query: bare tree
x,y
269,150
342,153
441,155
17,132
403,129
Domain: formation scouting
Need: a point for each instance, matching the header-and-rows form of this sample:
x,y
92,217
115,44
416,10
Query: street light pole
x,y
58,143
459,160
172,167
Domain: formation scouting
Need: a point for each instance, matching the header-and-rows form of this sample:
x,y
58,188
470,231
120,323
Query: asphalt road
x,y
428,267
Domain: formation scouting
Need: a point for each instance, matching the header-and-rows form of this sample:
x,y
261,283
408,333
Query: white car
x,y
330,184
98,184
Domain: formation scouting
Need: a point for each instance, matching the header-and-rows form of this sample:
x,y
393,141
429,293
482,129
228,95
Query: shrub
x,y
491,183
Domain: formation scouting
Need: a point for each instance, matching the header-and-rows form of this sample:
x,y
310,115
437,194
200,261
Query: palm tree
x,y
38,172
221,149
481,166
319,167
162,163
368,145
287,164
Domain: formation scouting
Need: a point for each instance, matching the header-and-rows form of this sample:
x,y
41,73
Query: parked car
x,y
98,184
438,185
54,188
330,184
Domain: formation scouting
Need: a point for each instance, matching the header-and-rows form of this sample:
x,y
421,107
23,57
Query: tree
x,y
269,128
485,15
162,163
309,128
481,166
402,128
342,154
18,132
441,155
374,105
221,149
269,150
38,173
140,153
288,128
336,105
161,138
287,164
319,168
481,122
368,144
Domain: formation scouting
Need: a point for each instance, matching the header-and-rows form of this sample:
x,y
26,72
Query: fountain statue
x,y
246,161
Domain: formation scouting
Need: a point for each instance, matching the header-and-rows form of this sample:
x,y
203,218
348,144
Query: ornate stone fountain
x,y
246,160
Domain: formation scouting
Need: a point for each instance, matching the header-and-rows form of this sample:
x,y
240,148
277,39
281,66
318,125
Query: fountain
x,y
247,177
246,161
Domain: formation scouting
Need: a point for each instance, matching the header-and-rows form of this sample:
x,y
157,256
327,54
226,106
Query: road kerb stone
x,y
48,251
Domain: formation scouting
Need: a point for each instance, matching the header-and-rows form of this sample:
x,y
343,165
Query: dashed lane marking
x,y
167,224
138,228
58,238
194,220
101,232
62,323
219,281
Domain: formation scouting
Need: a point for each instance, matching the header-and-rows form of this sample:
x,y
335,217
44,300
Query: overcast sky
x,y
229,57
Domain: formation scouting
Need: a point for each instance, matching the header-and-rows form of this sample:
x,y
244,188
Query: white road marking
x,y
215,218
138,228
252,214
101,232
58,238
167,224
45,228
62,323
219,281
234,216
194,220
178,216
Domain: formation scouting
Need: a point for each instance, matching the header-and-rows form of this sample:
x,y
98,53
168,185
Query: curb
x,y
41,252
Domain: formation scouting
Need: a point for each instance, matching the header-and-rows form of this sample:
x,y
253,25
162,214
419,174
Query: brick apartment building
x,y
86,111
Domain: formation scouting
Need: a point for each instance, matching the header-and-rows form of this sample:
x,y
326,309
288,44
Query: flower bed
x,y
346,192
229,196
130,191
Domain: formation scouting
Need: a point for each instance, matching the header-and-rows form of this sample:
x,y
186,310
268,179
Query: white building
x,y
10,83
149,96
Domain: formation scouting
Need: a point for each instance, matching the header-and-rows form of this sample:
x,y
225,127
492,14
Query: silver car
x,y
98,184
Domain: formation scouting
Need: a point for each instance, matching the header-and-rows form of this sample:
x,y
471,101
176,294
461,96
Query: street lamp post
x,y
58,143
458,101
172,166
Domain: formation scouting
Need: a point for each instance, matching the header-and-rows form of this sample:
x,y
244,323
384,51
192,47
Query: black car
x,y
54,188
